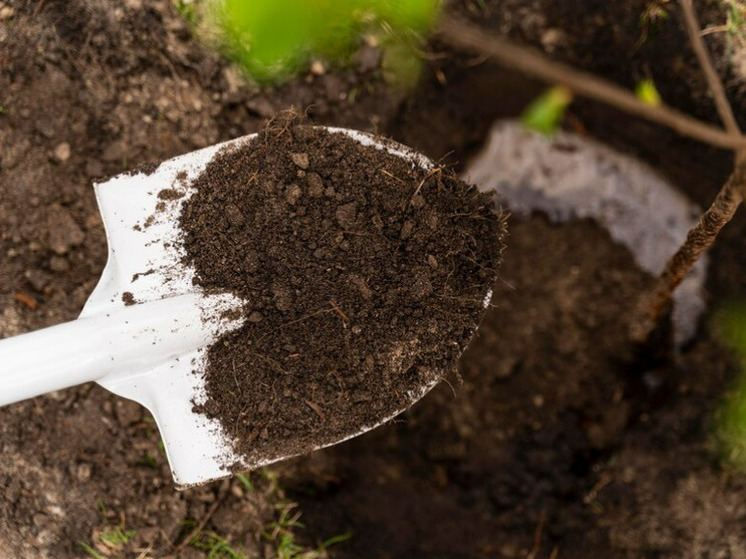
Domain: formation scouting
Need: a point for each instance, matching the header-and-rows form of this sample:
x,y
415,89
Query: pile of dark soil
x,y
365,276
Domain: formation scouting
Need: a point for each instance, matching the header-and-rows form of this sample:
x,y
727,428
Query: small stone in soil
x,y
300,159
64,232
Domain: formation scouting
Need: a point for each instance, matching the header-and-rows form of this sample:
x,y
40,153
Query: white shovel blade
x,y
141,212
146,271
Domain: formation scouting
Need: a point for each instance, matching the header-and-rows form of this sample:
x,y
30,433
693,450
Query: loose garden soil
x,y
364,275
551,446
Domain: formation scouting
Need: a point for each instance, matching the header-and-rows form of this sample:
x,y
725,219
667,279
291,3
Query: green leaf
x,y
272,39
545,113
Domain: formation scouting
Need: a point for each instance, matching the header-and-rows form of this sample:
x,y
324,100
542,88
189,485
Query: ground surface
x,y
552,442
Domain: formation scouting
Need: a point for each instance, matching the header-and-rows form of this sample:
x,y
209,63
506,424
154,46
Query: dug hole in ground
x,y
549,442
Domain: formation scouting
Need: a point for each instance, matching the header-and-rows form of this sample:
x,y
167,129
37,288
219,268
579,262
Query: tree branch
x,y
699,239
465,36
693,29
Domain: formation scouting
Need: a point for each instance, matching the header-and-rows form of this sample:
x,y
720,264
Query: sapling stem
x,y
699,239
703,234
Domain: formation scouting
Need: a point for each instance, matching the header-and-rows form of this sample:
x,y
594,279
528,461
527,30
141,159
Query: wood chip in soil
x,y
364,274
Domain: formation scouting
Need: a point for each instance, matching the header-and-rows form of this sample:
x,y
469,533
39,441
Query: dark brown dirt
x,y
365,276
536,452
132,87
543,434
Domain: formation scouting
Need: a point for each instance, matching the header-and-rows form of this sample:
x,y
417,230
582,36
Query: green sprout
x,y
646,92
113,538
116,537
281,533
334,540
216,546
736,23
734,28
545,113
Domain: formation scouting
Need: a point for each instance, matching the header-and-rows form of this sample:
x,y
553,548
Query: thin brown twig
x,y
465,36
699,239
144,553
315,407
392,176
339,311
432,173
715,29
693,29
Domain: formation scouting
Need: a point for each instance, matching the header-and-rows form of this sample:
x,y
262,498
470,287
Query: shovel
x,y
148,351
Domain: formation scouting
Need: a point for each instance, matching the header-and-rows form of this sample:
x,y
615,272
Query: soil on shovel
x,y
365,277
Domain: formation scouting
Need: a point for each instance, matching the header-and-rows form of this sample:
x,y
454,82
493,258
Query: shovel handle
x,y
51,359
124,341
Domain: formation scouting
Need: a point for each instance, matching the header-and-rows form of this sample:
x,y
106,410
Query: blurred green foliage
x,y
731,424
545,113
273,39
